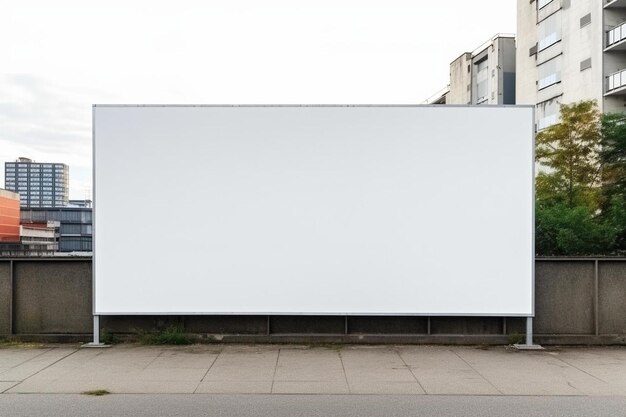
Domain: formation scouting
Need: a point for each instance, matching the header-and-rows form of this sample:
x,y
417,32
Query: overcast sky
x,y
59,57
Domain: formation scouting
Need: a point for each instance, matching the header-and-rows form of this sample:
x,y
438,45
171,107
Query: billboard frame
x,y
94,218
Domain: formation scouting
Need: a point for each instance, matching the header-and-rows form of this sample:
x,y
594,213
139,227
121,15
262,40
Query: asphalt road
x,y
138,405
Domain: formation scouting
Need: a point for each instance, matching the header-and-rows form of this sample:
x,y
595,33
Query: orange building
x,y
9,216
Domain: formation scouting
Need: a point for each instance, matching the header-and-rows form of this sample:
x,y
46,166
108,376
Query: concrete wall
x,y
578,301
460,80
526,65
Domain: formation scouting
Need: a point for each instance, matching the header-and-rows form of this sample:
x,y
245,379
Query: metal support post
x,y
96,330
529,331
96,335
529,345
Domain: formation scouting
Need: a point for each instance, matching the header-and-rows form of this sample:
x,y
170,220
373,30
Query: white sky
x,y
59,57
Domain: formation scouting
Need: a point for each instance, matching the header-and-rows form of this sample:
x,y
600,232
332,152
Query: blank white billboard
x,y
400,210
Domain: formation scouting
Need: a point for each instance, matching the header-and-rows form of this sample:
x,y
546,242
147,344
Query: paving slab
x,y
76,364
184,359
5,385
86,364
129,369
171,375
385,387
126,386
310,387
606,364
378,370
441,371
11,357
244,363
265,369
234,387
310,364
36,364
531,373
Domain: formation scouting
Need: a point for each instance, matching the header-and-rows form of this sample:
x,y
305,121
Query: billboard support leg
x,y
529,345
96,335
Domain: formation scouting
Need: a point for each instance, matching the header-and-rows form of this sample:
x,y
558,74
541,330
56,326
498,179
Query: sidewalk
x,y
265,369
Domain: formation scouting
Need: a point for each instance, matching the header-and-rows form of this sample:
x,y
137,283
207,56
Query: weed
x,y
16,343
96,392
107,337
169,336
516,338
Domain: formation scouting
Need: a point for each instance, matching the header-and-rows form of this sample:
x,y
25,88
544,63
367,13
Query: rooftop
x,y
9,194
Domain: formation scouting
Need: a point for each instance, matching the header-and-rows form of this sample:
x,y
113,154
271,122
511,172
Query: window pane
x,y
549,73
549,31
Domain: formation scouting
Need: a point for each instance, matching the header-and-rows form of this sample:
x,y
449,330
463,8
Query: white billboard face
x,y
403,210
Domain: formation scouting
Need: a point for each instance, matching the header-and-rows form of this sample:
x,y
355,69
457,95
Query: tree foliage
x,y
569,152
613,158
566,230
580,190
613,153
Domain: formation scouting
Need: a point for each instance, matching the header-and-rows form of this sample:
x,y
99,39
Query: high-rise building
x,y
484,76
38,184
570,50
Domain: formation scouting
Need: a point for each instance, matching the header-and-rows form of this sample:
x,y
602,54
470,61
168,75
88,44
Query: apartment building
x,y
484,76
38,184
570,50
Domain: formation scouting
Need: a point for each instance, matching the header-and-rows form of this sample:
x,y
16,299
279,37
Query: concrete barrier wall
x,y
577,301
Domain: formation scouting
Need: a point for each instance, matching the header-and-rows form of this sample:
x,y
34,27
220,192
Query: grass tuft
x,y
169,336
16,343
96,392
107,337
516,338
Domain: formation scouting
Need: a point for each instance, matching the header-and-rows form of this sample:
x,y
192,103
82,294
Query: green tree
x,y
569,231
613,153
568,153
573,215
613,159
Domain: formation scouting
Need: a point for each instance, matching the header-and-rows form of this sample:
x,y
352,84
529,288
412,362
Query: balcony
x,y
616,38
614,4
616,83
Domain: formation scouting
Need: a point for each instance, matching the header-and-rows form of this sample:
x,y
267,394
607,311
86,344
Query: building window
x,y
482,81
547,114
549,73
549,31
542,3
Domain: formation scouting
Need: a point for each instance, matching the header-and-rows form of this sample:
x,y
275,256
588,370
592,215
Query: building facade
x,y
80,203
9,216
20,240
484,76
38,184
74,225
570,50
